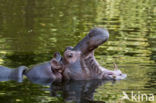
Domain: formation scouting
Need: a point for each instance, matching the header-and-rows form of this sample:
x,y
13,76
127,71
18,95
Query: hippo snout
x,y
99,34
95,37
120,77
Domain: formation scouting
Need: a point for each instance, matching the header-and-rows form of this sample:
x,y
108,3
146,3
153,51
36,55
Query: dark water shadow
x,y
80,91
70,91
77,91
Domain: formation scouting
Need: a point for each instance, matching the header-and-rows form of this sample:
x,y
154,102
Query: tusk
x,y
115,66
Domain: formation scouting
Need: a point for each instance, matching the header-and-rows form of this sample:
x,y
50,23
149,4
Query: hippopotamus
x,y
80,64
77,63
46,72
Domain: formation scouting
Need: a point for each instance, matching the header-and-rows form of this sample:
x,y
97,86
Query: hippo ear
x,y
57,56
69,48
56,61
55,64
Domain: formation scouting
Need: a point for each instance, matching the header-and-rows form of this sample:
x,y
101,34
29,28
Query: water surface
x,y
32,30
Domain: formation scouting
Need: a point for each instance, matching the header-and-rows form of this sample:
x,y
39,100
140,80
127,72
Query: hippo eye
x,y
70,55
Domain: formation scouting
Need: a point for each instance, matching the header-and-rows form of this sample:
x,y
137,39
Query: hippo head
x,y
79,62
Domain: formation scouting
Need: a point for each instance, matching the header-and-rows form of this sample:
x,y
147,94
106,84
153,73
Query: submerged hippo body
x,y
43,73
47,71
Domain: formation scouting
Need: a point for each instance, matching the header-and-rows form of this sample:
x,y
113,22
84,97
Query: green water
x,y
32,30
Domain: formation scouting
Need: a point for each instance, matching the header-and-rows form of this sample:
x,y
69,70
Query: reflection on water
x,y
78,91
68,91
32,30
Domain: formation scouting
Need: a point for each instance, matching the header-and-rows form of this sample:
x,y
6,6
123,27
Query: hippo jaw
x,y
115,75
98,72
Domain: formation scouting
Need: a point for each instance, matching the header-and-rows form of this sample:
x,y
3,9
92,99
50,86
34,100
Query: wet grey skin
x,y
46,72
96,37
12,74
43,73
